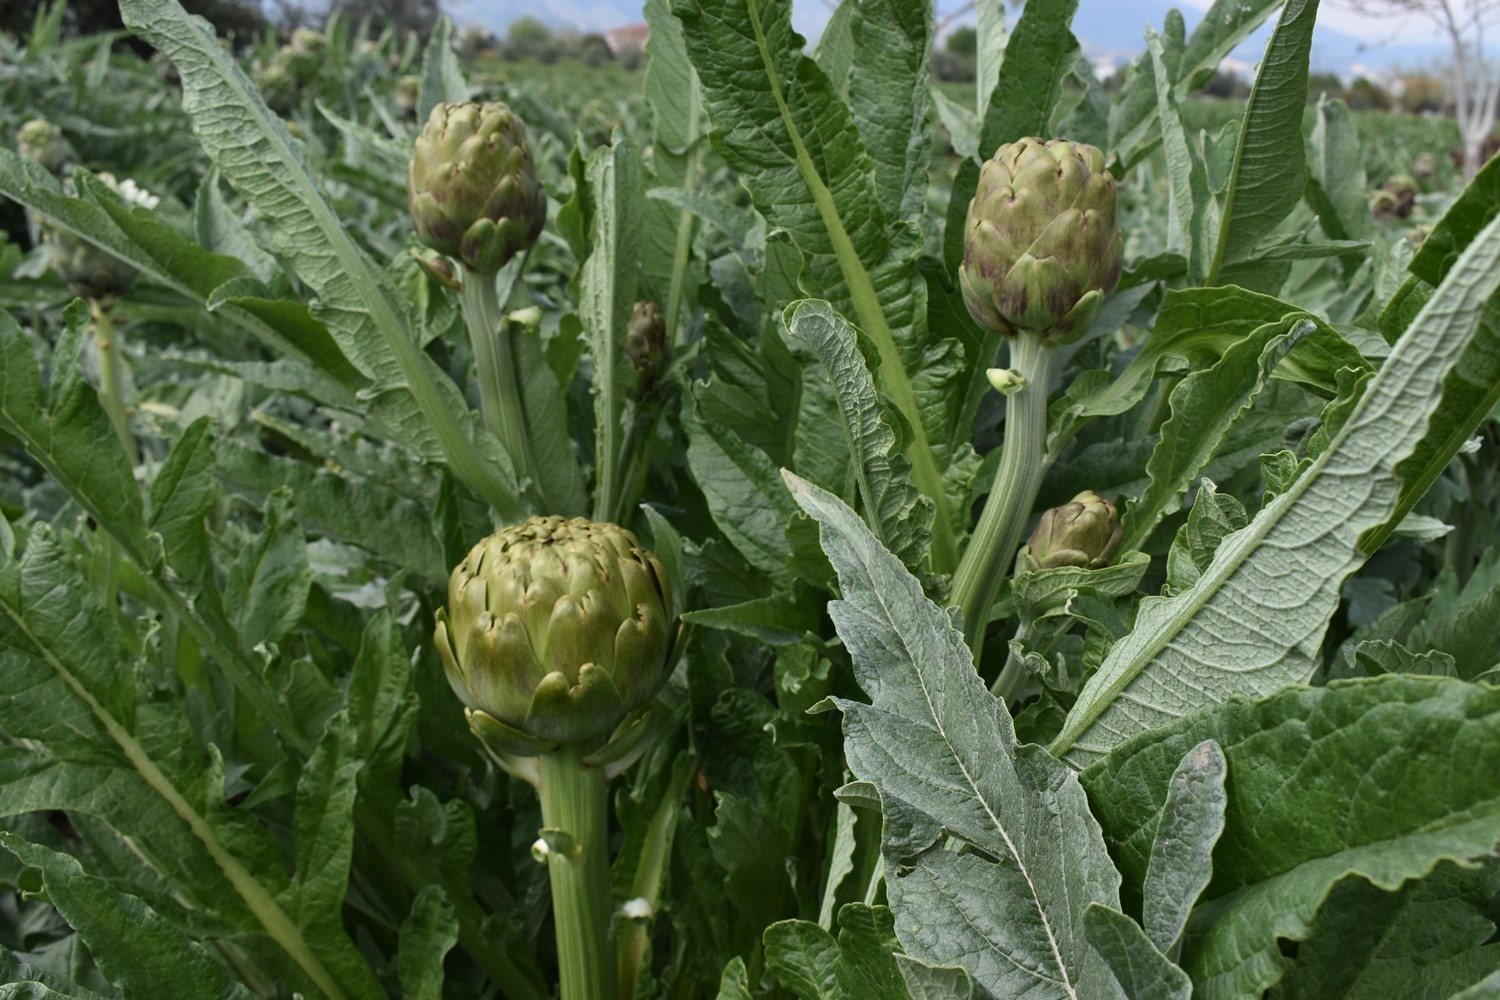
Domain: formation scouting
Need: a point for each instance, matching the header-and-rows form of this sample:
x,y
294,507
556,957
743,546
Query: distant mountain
x,y
1106,28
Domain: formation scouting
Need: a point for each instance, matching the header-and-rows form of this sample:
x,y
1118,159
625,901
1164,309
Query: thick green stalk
x,y
575,812
112,376
987,559
499,389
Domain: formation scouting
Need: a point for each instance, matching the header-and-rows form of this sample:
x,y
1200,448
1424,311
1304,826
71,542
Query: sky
x,y
1347,43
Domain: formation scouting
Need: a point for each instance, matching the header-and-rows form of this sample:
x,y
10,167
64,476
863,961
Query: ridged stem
x,y
494,362
987,559
575,811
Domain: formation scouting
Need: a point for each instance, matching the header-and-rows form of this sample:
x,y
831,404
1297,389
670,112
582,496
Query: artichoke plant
x,y
1041,249
1084,532
472,189
555,629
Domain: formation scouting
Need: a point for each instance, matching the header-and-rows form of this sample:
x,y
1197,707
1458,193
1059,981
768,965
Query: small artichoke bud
x,y
646,342
408,93
90,272
1041,250
472,189
555,630
42,142
1084,532
309,41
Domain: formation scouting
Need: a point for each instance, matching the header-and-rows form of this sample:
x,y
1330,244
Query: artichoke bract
x,y
472,189
1084,532
1041,250
555,630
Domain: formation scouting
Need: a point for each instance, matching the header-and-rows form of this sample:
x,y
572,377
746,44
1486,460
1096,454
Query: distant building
x,y
628,38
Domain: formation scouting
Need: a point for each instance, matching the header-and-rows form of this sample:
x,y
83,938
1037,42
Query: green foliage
x,y
1251,753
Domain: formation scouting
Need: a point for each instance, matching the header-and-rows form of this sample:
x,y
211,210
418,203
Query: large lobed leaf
x,y
259,158
800,150
1254,621
1379,778
941,751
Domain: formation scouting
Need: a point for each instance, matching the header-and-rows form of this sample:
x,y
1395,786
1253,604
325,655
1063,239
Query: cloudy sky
x,y
1347,42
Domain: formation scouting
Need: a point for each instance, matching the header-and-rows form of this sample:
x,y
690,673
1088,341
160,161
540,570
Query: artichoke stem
x,y
988,558
499,387
575,803
112,376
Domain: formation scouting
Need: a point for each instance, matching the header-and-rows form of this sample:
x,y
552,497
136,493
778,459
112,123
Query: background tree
x,y
1476,78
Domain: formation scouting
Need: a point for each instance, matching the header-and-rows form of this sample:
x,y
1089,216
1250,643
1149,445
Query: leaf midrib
x,y
892,374
260,902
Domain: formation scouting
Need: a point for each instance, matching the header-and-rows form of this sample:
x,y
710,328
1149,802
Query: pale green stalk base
x,y
636,937
494,361
112,376
988,558
575,803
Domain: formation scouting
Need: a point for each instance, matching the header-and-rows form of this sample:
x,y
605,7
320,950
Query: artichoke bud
x,y
408,94
646,342
1084,532
555,630
90,272
40,141
1041,250
472,189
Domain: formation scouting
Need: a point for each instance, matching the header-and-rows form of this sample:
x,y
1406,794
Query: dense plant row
x,y
1062,613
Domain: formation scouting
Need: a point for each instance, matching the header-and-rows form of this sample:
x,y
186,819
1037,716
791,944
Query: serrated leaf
x,y
898,514
265,592
941,749
797,147
351,508
1428,938
1270,163
1141,971
442,77
259,158
75,699
1176,659
1181,863
428,934
1205,408
1383,778
143,953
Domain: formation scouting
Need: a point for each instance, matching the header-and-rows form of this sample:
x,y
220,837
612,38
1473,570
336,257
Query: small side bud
x,y
1084,532
646,343
40,141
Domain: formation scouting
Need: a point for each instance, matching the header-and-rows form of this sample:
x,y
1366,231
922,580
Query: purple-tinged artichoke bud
x,y
1041,250
555,630
472,188
1084,532
646,342
40,141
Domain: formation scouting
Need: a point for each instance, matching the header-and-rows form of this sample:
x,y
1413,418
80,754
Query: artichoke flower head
x,y
1040,245
472,188
1085,532
555,630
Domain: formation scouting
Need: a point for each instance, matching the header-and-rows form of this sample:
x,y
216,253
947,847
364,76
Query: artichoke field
x,y
796,528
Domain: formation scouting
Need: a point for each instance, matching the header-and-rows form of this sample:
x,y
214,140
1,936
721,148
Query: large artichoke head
x,y
555,629
1041,250
472,188
1084,532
